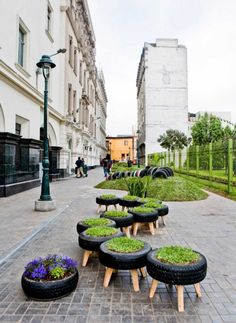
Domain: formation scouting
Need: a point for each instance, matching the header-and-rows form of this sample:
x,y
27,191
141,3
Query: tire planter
x,y
49,290
144,217
82,227
170,170
102,201
120,222
93,243
174,274
159,173
126,261
127,203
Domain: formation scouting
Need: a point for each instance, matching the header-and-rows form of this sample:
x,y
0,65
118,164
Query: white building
x,y
162,92
77,96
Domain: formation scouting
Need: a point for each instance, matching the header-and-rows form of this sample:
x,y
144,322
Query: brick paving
x,y
208,226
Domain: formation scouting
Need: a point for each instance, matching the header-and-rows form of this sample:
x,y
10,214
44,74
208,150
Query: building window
x,y
69,98
80,72
70,50
21,47
18,128
49,19
75,60
125,142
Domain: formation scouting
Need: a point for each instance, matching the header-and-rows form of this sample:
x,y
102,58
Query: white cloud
x,y
206,27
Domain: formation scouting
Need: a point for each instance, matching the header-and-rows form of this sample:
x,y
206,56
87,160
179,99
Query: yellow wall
x,y
120,145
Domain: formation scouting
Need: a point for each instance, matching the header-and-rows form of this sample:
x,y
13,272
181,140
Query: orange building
x,y
121,148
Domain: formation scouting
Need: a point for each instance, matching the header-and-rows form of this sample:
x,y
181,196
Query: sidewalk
x,y
18,219
208,226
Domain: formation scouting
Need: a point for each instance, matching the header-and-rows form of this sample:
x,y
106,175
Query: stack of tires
x,y
162,172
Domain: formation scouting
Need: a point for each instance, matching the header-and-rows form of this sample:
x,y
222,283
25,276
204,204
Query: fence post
x,y
180,160
230,165
169,158
187,161
165,158
210,159
197,160
174,159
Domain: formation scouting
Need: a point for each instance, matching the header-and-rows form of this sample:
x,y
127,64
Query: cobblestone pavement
x,y
208,226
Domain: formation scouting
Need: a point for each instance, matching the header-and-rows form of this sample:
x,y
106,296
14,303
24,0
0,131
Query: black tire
x,y
165,171
149,171
121,222
93,243
82,227
142,173
101,201
176,274
159,173
49,290
127,203
144,217
153,170
170,170
164,210
126,261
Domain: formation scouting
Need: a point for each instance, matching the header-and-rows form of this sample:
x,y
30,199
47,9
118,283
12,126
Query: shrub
x,y
100,231
125,245
138,186
114,214
52,267
154,205
177,255
95,222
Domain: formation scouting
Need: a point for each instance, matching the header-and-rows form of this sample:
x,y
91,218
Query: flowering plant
x,y
52,267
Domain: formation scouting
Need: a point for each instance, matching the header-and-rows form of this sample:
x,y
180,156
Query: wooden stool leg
x,y
157,224
163,220
151,228
99,208
180,297
143,272
122,209
86,256
126,231
198,289
135,228
106,207
134,274
153,288
107,277
115,207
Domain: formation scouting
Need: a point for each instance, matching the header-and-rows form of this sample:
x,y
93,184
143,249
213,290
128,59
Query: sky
x,y
206,27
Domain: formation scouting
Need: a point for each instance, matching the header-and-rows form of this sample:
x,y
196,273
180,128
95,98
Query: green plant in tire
x,y
153,205
95,222
116,214
130,198
177,255
125,245
107,196
143,210
100,231
138,186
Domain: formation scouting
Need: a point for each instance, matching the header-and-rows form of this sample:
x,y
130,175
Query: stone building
x,y
77,96
162,93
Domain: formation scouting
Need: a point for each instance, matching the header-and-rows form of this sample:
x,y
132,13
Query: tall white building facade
x,y
162,93
77,96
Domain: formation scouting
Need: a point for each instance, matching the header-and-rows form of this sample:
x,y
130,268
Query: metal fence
x,y
214,163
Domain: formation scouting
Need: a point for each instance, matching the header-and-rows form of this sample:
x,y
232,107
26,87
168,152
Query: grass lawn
x,y
174,188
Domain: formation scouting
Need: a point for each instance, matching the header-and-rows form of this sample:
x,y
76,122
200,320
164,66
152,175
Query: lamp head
x,y
45,61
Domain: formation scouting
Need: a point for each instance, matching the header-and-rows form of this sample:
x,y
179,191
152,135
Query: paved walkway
x,y
208,226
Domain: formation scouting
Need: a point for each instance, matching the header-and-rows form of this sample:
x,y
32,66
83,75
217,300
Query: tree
x,y
207,129
173,139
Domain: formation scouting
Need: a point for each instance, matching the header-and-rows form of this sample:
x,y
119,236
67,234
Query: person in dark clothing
x,y
106,164
79,169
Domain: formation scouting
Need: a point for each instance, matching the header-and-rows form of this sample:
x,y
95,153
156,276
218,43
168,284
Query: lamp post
x,y
46,203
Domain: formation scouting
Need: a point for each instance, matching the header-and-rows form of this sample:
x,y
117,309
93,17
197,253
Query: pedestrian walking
x,y
79,169
106,164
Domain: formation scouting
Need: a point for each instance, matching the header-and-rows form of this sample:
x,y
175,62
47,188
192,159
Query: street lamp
x,y
46,203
